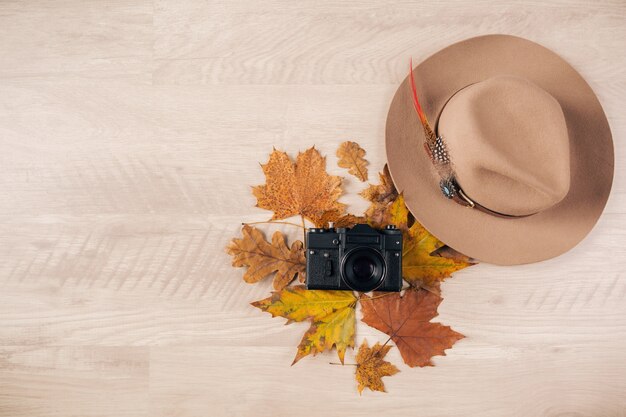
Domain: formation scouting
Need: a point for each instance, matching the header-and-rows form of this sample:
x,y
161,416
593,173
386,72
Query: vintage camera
x,y
361,258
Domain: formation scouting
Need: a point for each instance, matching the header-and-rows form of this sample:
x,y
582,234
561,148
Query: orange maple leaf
x,y
371,367
301,188
406,319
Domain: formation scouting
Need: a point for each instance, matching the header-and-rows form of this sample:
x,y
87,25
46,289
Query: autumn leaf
x,y
395,213
350,156
264,259
406,319
419,266
422,265
371,367
380,196
383,193
447,252
332,316
300,188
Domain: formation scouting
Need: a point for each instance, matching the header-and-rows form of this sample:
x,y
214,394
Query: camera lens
x,y
363,269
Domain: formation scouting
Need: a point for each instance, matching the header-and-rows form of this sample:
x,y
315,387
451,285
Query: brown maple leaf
x,y
332,315
371,367
263,258
406,319
380,196
301,188
350,156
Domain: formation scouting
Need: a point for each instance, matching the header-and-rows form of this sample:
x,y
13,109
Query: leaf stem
x,y
303,231
271,222
342,364
378,296
385,344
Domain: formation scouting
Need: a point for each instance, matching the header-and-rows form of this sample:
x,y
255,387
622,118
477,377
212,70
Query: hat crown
x,y
508,143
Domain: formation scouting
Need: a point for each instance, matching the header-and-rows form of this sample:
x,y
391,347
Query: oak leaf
x,y
350,156
395,213
383,193
447,252
379,196
301,188
406,319
371,367
331,313
263,258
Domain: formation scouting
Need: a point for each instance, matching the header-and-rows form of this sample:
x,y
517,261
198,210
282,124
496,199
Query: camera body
x,y
361,258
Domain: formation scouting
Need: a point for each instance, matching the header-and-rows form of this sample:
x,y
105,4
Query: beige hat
x,y
512,160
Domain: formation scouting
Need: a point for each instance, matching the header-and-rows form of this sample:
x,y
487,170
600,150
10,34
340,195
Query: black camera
x,y
361,259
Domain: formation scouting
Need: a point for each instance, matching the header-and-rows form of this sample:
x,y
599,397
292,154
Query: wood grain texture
x,y
130,134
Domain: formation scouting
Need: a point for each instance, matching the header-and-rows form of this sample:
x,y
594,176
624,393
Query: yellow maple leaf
x,y
419,266
350,156
263,258
422,266
331,313
395,213
371,367
301,188
336,329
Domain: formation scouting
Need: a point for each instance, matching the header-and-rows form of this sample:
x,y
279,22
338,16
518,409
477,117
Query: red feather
x,y
416,102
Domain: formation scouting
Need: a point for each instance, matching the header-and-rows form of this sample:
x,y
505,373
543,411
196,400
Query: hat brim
x,y
479,235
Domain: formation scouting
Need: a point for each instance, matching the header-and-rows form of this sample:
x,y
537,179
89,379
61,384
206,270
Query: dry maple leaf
x,y
406,319
380,196
263,258
332,315
371,367
350,156
301,188
419,266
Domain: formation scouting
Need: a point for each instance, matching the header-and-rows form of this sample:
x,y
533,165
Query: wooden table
x,y
130,133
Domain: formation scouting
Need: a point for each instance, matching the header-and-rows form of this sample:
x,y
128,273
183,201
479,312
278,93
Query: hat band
x,y
436,149
451,190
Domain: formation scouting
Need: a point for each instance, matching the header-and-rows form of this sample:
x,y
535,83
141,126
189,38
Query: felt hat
x,y
501,149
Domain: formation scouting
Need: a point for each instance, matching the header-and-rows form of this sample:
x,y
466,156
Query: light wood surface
x,y
130,133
